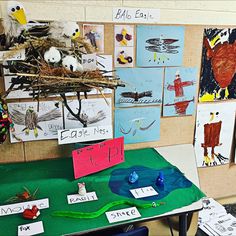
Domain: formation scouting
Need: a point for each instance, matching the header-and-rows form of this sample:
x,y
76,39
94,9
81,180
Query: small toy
x,y
23,197
133,177
82,190
31,214
160,180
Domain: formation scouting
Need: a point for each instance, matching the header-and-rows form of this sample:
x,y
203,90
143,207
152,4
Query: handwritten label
x,y
18,55
123,214
98,157
20,207
134,15
89,61
143,192
84,134
31,229
76,198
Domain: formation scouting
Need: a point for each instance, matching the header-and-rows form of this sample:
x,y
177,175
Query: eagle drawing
x,y
136,95
31,119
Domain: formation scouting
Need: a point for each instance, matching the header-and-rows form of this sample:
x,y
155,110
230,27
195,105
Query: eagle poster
x,y
179,91
214,133
32,124
143,87
138,125
160,45
97,112
218,73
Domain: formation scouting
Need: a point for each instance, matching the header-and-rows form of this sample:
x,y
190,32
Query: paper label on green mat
x,y
143,192
76,198
122,214
30,229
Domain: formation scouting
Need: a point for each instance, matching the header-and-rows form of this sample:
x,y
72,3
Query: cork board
x,y
215,181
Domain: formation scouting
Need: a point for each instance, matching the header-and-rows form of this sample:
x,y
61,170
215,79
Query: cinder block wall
x,y
172,12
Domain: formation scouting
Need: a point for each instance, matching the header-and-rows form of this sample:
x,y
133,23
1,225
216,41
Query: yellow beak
x,y
214,40
77,34
20,16
212,117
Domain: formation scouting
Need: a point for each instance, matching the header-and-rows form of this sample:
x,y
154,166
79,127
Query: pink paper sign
x,y
98,157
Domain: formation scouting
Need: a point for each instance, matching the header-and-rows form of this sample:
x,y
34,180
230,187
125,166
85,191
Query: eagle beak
x,y
20,16
77,34
214,41
212,117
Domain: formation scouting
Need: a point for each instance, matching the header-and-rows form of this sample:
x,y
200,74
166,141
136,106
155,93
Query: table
x,y
55,181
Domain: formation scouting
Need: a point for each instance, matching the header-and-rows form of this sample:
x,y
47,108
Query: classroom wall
x,y
216,181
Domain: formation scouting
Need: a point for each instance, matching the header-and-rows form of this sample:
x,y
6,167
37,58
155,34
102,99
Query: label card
x,y
89,61
98,157
20,207
144,192
123,214
136,15
66,136
76,198
19,55
30,229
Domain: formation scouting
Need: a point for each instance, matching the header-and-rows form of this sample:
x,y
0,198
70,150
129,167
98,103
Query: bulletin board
x,y
215,181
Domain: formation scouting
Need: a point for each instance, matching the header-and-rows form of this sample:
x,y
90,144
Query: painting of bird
x,y
135,95
31,119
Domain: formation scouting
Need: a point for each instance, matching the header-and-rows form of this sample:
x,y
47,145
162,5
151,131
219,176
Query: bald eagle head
x,y
16,11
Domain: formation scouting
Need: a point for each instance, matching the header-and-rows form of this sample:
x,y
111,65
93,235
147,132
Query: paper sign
x,y
30,229
98,157
123,214
20,207
76,198
19,55
89,61
84,134
143,192
144,15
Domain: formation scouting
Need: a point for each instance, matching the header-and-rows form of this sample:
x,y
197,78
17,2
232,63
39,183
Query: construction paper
x,y
98,157
160,45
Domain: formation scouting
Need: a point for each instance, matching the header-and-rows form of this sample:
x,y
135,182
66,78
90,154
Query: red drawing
x,y
180,107
212,140
179,85
223,64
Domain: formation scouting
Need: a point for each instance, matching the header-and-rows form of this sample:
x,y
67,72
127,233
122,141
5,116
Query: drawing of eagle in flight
x,y
161,45
31,119
135,95
101,115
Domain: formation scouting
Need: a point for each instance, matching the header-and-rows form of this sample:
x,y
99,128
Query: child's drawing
x,y
214,133
124,35
160,45
31,125
124,57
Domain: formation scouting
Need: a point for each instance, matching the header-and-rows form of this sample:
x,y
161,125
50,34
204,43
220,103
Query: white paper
x,y
143,192
89,61
119,30
136,15
28,128
122,214
222,112
84,134
19,55
31,229
76,198
17,208
127,53
225,225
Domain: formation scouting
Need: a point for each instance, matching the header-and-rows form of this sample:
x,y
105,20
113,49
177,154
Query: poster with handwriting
x,y
159,45
32,124
97,112
214,133
138,124
179,91
143,87
98,157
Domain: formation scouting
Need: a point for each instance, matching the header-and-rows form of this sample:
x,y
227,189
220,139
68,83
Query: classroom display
x,y
218,80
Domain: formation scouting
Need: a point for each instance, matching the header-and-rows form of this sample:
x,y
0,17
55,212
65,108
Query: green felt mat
x,y
55,181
